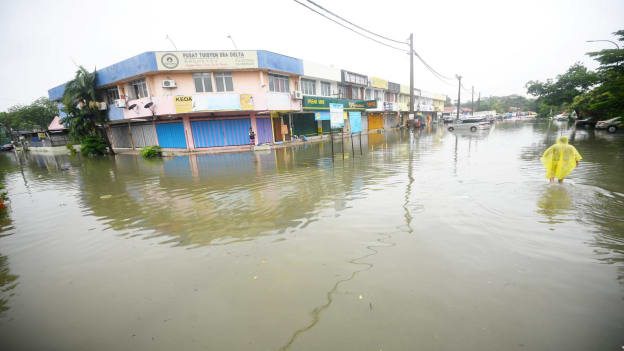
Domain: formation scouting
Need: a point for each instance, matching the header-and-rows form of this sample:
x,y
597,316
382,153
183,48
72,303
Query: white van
x,y
472,124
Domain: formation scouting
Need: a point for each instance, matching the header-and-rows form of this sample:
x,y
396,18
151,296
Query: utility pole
x,y
479,102
458,95
472,99
411,105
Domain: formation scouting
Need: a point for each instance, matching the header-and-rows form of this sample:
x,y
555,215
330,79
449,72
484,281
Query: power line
x,y
353,24
431,68
444,79
351,29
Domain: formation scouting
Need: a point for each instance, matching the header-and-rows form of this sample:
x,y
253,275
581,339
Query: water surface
x,y
427,240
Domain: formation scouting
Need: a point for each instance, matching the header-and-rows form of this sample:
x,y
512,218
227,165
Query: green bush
x,y
151,151
93,145
71,149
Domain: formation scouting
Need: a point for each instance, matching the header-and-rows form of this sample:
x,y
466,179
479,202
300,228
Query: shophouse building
x,y
198,99
377,90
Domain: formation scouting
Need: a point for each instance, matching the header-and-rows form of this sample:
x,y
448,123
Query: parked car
x,y
472,124
611,125
6,147
585,123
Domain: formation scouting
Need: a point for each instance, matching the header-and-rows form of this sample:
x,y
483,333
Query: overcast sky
x,y
497,45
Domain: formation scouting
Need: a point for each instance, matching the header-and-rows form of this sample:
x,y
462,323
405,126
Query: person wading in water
x,y
252,137
560,159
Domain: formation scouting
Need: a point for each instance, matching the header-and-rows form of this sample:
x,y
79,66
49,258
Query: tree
x,y
37,115
565,87
607,99
599,94
84,117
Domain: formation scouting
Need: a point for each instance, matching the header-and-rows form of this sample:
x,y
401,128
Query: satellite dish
x,y
149,104
132,106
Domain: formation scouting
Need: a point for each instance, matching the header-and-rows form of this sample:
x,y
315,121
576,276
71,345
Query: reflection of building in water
x,y
555,203
215,198
8,281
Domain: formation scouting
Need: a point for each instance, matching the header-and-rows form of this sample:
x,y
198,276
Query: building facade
x,y
198,100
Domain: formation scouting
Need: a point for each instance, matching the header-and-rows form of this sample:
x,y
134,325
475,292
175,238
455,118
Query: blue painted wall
x,y
139,64
271,60
115,113
57,92
146,62
61,113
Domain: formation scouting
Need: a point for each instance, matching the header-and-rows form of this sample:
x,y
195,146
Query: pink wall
x,y
255,83
163,105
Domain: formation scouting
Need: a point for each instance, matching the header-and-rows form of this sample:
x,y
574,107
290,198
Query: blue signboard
x,y
355,121
322,116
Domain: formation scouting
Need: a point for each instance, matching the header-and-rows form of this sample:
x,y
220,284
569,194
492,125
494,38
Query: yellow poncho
x,y
560,159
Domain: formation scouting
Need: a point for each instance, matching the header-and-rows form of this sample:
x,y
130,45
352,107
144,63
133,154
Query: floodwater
x,y
425,241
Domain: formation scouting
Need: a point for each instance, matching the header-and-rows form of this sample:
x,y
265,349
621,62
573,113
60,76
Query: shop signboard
x,y
336,112
213,102
378,83
194,60
354,78
323,103
394,87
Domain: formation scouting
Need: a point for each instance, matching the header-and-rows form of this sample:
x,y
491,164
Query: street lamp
x,y
612,42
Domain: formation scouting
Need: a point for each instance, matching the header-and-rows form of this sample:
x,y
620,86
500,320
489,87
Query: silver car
x,y
472,124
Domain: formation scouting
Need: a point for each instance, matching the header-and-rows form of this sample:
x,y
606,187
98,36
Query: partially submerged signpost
x,y
335,110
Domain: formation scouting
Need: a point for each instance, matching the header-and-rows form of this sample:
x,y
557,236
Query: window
x,y
223,81
308,86
356,93
377,95
325,89
342,90
278,83
112,94
368,94
203,82
138,89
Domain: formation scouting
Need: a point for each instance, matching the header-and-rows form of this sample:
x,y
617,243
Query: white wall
x,y
317,70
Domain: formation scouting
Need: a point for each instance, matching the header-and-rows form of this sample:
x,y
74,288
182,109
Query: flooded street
x,y
426,241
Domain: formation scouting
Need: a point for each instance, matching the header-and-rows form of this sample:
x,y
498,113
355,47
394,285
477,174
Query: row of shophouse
x,y
195,100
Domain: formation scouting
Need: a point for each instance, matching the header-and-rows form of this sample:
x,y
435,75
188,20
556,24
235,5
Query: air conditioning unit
x,y
102,106
297,95
168,83
120,103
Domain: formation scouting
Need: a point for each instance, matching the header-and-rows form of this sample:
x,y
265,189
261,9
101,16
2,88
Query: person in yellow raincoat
x,y
560,159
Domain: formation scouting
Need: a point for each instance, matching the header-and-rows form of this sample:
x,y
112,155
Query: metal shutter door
x,y
236,131
304,124
171,135
143,135
265,132
121,139
208,133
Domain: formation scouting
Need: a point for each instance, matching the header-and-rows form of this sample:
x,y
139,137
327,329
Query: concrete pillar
x,y
130,136
252,117
188,133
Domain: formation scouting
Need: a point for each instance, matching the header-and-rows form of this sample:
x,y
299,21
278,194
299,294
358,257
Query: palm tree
x,y
84,117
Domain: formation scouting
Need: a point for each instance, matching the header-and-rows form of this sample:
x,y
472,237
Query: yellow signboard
x,y
246,102
193,60
183,104
379,83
